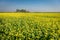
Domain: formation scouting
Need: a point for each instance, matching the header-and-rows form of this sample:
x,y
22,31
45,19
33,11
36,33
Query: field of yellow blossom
x,y
30,26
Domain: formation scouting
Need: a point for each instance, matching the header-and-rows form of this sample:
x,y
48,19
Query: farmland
x,y
30,26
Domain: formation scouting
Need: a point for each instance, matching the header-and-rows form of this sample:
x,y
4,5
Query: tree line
x,y
21,10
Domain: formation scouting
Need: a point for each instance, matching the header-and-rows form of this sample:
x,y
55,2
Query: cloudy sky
x,y
31,5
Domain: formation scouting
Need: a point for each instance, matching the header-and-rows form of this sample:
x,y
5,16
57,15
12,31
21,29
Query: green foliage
x,y
28,28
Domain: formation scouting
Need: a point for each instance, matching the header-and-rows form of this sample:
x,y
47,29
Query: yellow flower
x,y
59,31
52,39
17,34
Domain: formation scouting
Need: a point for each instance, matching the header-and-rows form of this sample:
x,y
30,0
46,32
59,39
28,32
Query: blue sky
x,y
31,5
